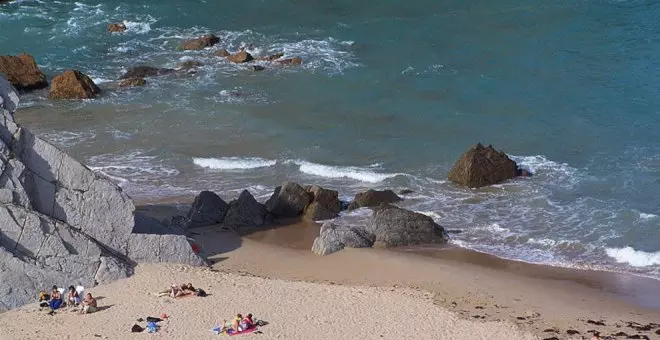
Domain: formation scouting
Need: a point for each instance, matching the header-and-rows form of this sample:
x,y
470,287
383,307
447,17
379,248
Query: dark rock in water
x,y
246,211
145,71
117,27
393,227
73,84
256,68
290,61
22,72
272,57
132,82
222,53
62,222
288,200
325,204
200,43
373,198
482,166
344,205
520,172
333,238
207,209
405,192
240,57
188,64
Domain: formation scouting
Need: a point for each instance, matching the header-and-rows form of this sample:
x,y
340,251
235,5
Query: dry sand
x,y
294,310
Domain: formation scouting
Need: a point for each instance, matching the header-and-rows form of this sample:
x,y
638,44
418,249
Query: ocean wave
x,y
635,258
541,166
351,172
67,139
234,163
138,27
645,216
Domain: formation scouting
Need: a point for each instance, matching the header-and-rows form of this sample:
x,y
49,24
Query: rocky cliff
x,y
61,223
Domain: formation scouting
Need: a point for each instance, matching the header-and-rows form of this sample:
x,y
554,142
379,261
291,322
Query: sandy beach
x,y
356,294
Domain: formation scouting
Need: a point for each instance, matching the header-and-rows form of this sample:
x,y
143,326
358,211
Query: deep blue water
x,y
389,95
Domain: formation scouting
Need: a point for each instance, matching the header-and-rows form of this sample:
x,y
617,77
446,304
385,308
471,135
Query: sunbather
x,y
72,297
89,304
236,323
55,299
247,322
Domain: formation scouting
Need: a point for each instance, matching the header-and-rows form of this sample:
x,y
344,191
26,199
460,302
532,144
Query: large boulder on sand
x,y
61,223
288,200
246,211
333,238
482,166
394,227
240,57
73,84
325,204
207,209
200,43
373,198
145,71
22,72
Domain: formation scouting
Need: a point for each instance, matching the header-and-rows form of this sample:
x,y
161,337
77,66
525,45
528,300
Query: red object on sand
x,y
196,249
163,316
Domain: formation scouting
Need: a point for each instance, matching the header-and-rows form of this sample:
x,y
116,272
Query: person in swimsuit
x,y
89,304
55,299
72,297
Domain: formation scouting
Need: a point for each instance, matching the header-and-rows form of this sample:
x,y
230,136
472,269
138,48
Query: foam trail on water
x,y
635,258
352,172
234,163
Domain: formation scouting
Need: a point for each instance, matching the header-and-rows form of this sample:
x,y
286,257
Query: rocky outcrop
x,y
290,61
200,43
288,200
132,82
73,84
61,223
333,238
22,72
246,211
482,166
207,209
271,57
394,227
325,204
373,198
146,71
240,57
116,27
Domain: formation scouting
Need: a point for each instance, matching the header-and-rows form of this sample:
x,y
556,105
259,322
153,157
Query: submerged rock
x,y
482,166
240,57
146,71
132,82
373,198
288,200
200,43
272,57
290,61
207,209
188,64
256,68
22,72
222,53
394,227
73,84
116,27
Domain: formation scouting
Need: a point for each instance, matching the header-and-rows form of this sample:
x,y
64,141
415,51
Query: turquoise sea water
x,y
389,95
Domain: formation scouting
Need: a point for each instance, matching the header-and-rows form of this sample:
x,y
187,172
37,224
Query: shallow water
x,y
389,96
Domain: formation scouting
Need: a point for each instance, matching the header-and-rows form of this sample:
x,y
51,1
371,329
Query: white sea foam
x,y
635,258
541,166
328,171
645,216
138,27
432,214
234,163
543,242
68,139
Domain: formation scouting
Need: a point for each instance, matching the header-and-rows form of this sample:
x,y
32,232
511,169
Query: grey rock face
x,y
246,211
60,223
333,238
393,227
288,200
207,209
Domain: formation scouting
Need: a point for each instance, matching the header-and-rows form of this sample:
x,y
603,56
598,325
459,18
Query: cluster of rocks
x,y
62,223
24,74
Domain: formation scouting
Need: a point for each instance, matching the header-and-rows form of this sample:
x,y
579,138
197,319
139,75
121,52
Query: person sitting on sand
x,y
72,297
89,304
55,299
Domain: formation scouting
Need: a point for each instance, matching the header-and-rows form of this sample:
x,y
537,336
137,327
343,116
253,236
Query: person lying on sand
x,y
88,304
188,288
236,323
246,322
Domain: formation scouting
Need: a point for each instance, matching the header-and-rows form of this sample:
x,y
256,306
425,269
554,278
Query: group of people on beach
x,y
185,289
237,325
56,301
